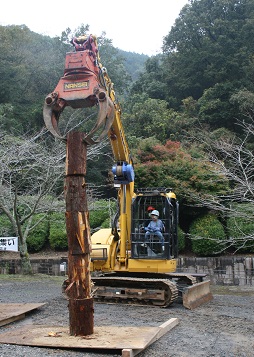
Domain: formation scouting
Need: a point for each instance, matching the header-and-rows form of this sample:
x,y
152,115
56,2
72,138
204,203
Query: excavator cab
x,y
150,246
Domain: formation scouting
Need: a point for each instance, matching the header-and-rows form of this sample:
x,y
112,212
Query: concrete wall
x,y
220,270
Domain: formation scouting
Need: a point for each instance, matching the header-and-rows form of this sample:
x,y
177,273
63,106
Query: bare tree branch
x,y
232,158
31,181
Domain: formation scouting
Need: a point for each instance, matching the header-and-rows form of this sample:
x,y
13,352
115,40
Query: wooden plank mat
x,y
131,340
13,312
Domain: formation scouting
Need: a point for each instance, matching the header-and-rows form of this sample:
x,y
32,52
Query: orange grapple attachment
x,y
81,86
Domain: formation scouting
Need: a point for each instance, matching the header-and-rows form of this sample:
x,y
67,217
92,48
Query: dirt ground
x,y
222,327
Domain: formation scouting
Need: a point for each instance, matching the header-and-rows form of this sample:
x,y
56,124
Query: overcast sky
x,y
133,25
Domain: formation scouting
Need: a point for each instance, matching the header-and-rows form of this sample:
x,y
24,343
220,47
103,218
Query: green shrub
x,y
58,235
100,212
6,229
97,217
238,229
207,235
38,236
106,223
57,232
181,240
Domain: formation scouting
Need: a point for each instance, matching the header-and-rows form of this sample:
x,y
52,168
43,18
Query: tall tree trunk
x,y
26,267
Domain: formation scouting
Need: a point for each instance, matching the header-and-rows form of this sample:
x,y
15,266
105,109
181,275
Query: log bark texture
x,y
81,311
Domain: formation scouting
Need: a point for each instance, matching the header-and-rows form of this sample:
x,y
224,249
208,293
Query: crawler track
x,y
138,291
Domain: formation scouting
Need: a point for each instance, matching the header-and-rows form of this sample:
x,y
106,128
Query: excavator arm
x,y
86,83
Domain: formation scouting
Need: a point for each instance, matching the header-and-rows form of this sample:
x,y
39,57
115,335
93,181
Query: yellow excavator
x,y
128,265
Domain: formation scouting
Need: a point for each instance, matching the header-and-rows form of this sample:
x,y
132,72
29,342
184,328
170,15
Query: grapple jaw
x,y
51,115
83,85
105,118
54,106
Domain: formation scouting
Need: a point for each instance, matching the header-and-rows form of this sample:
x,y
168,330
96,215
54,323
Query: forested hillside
x,y
187,113
31,65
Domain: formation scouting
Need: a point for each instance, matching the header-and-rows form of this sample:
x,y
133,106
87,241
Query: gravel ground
x,y
223,327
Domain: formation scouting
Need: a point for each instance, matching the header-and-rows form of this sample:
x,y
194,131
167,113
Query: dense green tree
x,y
134,63
208,56
29,65
211,42
151,80
147,117
215,107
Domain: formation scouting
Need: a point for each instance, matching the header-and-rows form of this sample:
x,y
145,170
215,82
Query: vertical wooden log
x,y
81,312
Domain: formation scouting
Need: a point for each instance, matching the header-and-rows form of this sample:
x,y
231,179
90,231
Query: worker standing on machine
x,y
155,227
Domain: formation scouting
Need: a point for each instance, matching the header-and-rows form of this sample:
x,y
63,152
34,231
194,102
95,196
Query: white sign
x,y
9,243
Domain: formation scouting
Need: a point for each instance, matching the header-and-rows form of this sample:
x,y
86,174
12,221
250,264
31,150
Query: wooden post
x,y
81,312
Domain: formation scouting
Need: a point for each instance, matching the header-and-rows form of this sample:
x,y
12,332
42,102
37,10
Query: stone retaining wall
x,y
220,270
39,266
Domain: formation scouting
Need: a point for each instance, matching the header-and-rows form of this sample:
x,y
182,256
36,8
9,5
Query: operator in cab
x,y
155,227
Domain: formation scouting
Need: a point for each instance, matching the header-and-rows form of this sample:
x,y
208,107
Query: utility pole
x,y
81,311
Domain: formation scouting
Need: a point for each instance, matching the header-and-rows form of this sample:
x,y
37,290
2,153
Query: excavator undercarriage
x,y
160,290
152,289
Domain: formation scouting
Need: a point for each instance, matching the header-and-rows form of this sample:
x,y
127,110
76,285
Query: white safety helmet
x,y
155,212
